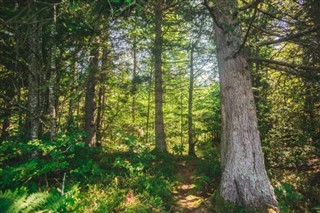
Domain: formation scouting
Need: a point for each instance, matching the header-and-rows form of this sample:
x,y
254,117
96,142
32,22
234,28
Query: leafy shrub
x,y
35,161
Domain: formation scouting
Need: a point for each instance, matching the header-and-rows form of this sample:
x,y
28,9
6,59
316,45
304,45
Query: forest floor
x,y
187,197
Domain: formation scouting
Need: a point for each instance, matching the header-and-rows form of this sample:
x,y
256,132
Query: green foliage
x,y
208,168
20,201
148,176
288,198
178,149
222,206
36,161
75,178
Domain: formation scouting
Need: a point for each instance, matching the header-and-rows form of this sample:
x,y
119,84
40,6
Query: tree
x,y
90,105
159,123
34,78
244,178
53,78
191,143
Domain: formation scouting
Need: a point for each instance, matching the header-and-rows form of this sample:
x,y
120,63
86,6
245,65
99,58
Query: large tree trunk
x,y
191,151
90,106
159,124
244,178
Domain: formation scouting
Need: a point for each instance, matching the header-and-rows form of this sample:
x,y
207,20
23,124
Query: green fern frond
x,y
55,201
19,201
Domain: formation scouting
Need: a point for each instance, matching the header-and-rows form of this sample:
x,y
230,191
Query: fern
x,y
19,201
56,203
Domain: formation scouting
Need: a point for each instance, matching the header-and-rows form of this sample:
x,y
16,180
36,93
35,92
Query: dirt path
x,y
187,198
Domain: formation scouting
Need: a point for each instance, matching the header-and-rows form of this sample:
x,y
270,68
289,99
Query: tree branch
x,y
250,5
290,37
249,28
291,65
22,107
172,5
210,9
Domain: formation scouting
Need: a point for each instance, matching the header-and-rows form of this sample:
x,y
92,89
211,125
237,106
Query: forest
x,y
159,106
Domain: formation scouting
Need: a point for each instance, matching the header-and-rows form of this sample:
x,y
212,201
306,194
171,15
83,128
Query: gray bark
x,y
159,123
244,178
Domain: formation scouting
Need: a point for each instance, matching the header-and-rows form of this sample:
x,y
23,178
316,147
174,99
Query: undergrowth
x,y
66,176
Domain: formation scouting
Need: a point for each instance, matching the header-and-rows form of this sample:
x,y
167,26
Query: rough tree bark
x,y
90,105
159,123
244,178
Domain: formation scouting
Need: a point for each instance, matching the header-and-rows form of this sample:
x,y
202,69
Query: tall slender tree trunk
x,y
135,66
90,106
100,112
191,143
159,123
244,178
53,79
73,107
148,107
181,112
101,94
33,82
134,84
